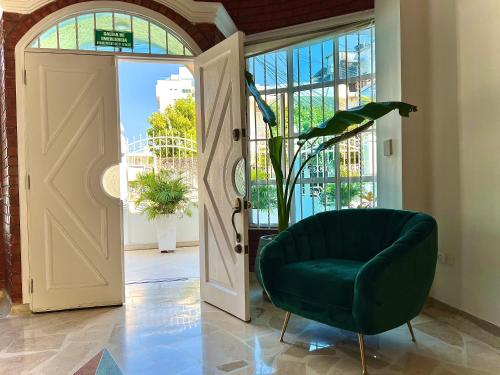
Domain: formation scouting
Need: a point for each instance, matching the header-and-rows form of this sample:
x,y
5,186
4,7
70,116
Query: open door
x,y
74,226
220,103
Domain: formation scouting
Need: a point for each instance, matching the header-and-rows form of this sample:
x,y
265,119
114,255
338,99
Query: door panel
x,y
220,102
75,241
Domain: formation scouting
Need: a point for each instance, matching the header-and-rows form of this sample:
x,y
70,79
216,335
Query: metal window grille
x,y
305,84
77,33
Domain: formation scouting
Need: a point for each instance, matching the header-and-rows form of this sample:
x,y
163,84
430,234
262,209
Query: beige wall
x,y
450,68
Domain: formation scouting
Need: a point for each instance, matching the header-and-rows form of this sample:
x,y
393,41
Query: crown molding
x,y
193,11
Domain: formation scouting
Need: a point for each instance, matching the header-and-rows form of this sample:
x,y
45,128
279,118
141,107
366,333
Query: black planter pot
x,y
263,241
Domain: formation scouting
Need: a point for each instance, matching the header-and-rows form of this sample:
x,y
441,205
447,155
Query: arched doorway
x,y
71,133
219,77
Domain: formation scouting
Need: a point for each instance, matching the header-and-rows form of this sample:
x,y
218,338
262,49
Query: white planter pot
x,y
166,232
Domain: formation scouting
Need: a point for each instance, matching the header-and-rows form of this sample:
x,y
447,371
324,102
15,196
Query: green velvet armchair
x,y
362,270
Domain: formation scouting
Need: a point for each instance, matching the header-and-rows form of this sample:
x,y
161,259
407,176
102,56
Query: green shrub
x,y
161,193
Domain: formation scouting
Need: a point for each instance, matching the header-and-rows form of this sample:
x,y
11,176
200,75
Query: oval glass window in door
x,y
239,178
111,181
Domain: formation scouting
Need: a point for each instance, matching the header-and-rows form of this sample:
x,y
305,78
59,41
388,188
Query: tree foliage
x,y
178,117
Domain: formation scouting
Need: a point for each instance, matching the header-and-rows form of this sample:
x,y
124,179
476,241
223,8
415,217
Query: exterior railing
x,y
173,151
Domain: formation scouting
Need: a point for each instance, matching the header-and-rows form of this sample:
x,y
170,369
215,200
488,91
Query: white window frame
x,y
288,92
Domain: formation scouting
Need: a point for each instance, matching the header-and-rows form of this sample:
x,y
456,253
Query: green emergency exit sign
x,y
111,38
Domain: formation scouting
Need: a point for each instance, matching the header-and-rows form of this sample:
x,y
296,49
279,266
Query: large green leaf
x,y
267,113
344,136
342,120
275,145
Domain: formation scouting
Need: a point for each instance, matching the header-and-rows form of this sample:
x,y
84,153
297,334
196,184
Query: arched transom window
x,y
109,31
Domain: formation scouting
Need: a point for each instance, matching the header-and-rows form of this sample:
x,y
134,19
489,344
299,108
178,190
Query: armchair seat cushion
x,y
328,281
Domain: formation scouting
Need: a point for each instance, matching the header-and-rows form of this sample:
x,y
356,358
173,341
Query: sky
x,y
137,81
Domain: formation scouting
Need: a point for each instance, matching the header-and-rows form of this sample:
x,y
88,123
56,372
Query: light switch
x,y
388,147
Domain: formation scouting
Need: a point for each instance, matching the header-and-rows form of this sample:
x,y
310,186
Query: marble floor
x,y
144,265
165,329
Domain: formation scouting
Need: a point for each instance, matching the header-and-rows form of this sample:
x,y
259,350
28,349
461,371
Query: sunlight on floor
x,y
150,265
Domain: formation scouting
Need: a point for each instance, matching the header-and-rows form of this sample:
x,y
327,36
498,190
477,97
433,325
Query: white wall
x,y
388,71
450,68
139,232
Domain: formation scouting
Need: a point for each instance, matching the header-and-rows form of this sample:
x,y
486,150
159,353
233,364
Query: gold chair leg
x,y
411,332
361,339
285,323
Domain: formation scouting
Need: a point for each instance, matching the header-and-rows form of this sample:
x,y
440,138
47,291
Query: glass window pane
x,y
123,22
367,91
270,65
141,35
342,63
317,107
368,195
317,69
328,57
86,32
49,38
281,69
295,64
329,101
35,44
304,66
104,21
258,73
365,51
352,55
327,196
67,34
175,47
342,93
305,110
158,40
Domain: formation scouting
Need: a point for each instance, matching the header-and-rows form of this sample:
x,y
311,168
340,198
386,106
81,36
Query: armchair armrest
x,y
271,258
391,288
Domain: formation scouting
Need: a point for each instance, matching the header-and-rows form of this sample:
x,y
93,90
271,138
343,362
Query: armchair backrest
x,y
355,234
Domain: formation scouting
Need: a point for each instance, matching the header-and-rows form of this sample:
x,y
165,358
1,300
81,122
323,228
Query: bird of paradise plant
x,y
340,127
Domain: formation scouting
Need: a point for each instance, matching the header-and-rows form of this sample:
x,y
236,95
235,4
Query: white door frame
x,y
21,47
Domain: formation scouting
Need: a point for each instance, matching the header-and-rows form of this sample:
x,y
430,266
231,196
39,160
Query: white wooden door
x,y
74,226
220,102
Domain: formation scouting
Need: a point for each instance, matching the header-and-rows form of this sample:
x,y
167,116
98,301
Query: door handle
x,y
236,210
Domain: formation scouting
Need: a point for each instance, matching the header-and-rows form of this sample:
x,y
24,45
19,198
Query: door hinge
x,y
28,182
31,286
246,249
25,77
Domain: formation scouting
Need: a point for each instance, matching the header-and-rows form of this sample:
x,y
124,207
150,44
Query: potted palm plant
x,y
340,127
162,197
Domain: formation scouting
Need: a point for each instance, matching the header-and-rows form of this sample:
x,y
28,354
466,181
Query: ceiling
x,y
253,16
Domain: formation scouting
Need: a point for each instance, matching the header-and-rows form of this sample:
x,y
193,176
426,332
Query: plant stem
x,y
290,170
291,188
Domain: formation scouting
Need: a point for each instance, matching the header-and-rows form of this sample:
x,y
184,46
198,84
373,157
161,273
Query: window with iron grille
x,y
305,84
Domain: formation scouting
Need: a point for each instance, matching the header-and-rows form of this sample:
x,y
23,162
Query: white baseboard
x,y
152,246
